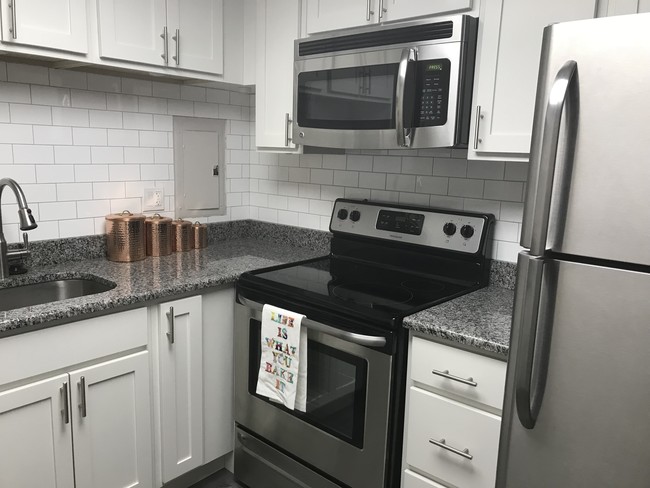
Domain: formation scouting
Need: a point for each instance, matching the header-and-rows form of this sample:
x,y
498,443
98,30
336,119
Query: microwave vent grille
x,y
384,37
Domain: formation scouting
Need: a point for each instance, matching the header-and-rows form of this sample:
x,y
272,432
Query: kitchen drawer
x,y
488,374
433,417
414,480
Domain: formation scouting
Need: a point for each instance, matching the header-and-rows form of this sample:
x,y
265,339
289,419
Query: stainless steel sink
x,y
50,291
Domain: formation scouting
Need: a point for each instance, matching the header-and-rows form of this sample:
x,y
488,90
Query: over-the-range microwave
x,y
386,87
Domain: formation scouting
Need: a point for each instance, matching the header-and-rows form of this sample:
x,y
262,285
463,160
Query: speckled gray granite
x,y
150,279
479,320
57,251
502,274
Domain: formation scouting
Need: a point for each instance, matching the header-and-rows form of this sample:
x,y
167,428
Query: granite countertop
x,y
479,320
151,279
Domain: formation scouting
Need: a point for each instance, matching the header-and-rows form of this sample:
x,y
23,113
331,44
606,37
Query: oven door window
x,y
348,98
336,388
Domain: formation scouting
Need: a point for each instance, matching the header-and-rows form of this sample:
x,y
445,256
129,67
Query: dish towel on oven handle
x,y
282,375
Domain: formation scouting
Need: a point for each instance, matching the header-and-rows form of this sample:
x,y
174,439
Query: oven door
x,y
343,433
385,99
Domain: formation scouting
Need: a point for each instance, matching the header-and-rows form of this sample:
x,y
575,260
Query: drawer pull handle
x,y
442,443
445,374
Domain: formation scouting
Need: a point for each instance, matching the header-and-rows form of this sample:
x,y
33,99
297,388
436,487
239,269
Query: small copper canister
x,y
200,232
125,237
182,236
158,235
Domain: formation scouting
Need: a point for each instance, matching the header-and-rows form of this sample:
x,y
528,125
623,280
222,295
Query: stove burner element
x,y
423,285
372,294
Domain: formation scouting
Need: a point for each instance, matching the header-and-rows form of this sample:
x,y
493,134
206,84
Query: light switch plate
x,y
153,199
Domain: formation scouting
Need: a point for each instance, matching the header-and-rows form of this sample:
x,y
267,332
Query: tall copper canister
x,y
182,236
200,232
158,235
125,237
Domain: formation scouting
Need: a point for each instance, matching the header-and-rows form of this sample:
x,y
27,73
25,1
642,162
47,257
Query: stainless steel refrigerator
x,y
577,404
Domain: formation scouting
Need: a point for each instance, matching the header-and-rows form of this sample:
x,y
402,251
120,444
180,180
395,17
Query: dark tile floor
x,y
221,479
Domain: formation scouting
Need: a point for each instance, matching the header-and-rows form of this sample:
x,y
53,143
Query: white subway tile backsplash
x,y
95,172
30,154
76,227
74,117
308,191
59,173
46,95
193,93
385,196
104,83
449,167
387,164
512,212
82,136
68,79
28,73
485,206
486,170
105,119
45,230
516,171
37,193
331,193
123,137
217,96
153,139
133,205
121,102
107,155
358,193
88,99
16,134
359,163
57,211
108,190
400,182
322,176
287,218
414,199
162,123
6,154
134,120
132,86
504,190
299,175
139,155
20,173
465,187
163,155
334,161
74,191
14,92
435,185
22,113
151,105
375,181
166,90
72,154
180,107
154,171
4,112
441,201
45,134
124,172
93,208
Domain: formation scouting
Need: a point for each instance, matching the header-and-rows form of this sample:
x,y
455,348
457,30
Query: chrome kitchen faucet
x,y
27,222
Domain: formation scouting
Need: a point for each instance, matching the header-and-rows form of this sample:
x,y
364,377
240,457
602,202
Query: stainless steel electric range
x,y
386,262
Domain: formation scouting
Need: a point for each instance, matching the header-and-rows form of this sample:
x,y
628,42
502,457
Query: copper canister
x,y
200,232
158,235
125,237
182,236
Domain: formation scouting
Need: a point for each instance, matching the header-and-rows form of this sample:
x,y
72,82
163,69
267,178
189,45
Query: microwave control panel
x,y
432,91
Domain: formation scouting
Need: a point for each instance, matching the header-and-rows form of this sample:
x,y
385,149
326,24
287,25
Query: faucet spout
x,y
27,221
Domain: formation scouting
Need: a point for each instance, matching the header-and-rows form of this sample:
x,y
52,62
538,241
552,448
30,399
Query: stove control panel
x,y
445,229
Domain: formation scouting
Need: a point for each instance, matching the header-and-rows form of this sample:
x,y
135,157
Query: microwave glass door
x,y
336,388
348,98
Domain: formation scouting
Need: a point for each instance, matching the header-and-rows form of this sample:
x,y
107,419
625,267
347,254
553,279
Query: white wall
x,y
300,190
84,145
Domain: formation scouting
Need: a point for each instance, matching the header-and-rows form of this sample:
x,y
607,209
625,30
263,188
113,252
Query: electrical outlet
x,y
153,199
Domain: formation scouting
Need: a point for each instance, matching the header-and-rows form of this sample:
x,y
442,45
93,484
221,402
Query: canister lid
x,y
157,219
125,216
199,224
181,222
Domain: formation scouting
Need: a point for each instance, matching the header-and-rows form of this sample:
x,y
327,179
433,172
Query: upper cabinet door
x,y
55,24
507,65
327,15
277,28
624,7
405,9
35,435
131,30
196,35
111,405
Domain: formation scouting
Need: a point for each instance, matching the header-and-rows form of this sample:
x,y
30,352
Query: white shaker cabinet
x,y
35,423
196,35
277,27
390,10
624,7
111,418
327,15
133,31
179,34
181,385
52,24
507,65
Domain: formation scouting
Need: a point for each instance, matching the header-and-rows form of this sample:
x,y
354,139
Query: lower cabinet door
x,y
452,442
414,480
35,435
111,412
181,386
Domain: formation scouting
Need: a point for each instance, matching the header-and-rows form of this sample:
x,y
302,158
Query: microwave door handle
x,y
404,136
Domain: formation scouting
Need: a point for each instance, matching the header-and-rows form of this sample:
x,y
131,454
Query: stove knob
x,y
355,215
449,229
467,231
343,214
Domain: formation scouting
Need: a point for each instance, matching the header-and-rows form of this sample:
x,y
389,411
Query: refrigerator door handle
x,y
543,163
531,356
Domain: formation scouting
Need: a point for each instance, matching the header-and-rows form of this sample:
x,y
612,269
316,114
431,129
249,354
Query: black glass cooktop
x,y
365,289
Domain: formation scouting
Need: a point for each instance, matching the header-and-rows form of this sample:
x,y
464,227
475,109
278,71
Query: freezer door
x,y
590,407
599,170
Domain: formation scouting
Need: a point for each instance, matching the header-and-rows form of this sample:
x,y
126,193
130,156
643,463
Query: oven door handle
x,y
360,339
